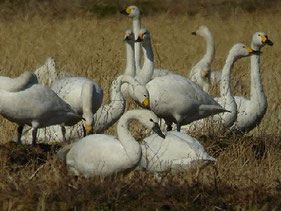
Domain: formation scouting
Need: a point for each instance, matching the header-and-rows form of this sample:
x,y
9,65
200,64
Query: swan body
x,y
177,99
251,111
225,120
105,155
37,107
82,94
24,81
200,73
177,152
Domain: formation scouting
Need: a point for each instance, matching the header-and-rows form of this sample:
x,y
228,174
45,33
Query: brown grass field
x,y
246,177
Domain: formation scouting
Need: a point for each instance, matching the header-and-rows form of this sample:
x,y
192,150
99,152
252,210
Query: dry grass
x,y
246,178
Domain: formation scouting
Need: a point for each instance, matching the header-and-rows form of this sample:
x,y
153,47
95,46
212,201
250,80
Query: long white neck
x,y
136,29
108,114
130,61
258,97
147,70
210,52
87,101
130,145
226,93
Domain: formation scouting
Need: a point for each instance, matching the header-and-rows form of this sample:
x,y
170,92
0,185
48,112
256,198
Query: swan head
x,y
131,11
202,31
143,36
240,50
150,121
140,95
260,39
129,36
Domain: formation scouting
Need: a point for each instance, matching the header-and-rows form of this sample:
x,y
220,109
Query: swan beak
x,y
193,33
146,102
140,38
126,11
251,51
205,73
127,37
157,130
89,129
267,41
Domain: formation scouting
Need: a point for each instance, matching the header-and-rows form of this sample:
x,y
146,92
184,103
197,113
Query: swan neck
x,y
257,93
130,145
225,88
210,50
147,70
136,29
130,63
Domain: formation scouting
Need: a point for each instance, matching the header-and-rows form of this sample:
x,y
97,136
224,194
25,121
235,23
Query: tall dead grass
x,y
247,174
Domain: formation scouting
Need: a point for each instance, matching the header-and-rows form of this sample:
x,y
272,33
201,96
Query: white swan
x,y
82,94
47,74
174,97
36,106
201,72
177,152
251,111
25,80
105,117
134,13
221,122
105,155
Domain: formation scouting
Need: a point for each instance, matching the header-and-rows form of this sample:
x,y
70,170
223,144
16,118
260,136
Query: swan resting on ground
x,y
221,122
251,111
36,106
24,81
105,155
177,152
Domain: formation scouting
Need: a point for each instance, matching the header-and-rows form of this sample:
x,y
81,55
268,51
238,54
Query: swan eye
x,y
244,46
144,95
151,120
259,35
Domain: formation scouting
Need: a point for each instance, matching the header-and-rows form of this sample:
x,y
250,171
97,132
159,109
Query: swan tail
x,y
61,154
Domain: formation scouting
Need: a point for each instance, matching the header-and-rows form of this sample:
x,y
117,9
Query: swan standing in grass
x,y
82,94
174,97
226,119
24,81
177,152
200,73
105,155
134,13
251,111
36,106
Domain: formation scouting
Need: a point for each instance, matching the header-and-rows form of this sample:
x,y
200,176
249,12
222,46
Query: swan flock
x,y
51,107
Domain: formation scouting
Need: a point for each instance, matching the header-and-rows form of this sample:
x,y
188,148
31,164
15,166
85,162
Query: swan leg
x,y
20,129
63,131
34,134
178,127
